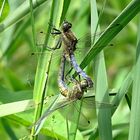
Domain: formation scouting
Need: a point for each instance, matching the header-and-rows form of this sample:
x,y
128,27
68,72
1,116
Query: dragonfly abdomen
x,y
80,71
63,88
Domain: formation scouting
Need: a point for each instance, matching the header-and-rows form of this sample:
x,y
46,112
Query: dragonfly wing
x,y
72,111
58,103
87,112
91,103
39,124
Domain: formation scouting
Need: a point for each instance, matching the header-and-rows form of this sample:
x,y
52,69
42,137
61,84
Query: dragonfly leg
x,y
83,84
55,31
78,89
70,79
53,28
57,46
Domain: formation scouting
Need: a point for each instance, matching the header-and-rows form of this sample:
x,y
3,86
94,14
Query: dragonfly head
x,y
66,26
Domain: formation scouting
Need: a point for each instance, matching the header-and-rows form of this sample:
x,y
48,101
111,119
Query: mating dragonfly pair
x,y
68,41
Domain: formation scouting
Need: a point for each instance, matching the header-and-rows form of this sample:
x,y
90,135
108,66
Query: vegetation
x,y
108,47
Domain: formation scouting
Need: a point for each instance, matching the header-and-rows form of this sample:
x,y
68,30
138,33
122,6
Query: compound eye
x,y
66,26
70,25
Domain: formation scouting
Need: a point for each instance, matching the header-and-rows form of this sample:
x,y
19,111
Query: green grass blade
x,y
123,89
65,9
19,13
104,115
113,29
33,25
134,130
4,9
43,67
8,129
11,108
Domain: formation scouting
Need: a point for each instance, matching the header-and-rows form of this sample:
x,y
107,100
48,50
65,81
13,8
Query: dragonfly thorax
x,y
78,90
69,42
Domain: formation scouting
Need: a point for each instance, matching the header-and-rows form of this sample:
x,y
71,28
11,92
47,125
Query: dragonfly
x,y
68,41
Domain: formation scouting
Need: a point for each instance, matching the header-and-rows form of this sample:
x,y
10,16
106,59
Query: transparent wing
x,y
82,47
57,103
67,107
34,57
87,110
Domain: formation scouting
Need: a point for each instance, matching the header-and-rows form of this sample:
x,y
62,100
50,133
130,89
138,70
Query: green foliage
x,y
4,9
26,79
